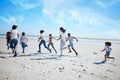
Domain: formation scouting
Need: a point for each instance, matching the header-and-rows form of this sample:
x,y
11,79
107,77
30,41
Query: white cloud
x,y
50,7
13,20
101,4
87,16
5,20
60,18
53,7
107,4
20,19
56,11
26,4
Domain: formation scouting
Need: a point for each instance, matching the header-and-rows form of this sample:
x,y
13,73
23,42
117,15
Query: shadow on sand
x,y
4,53
19,54
47,58
101,62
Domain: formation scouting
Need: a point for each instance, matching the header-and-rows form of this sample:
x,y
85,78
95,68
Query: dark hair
x,y
14,27
50,34
8,36
61,28
108,43
41,31
68,34
23,33
8,33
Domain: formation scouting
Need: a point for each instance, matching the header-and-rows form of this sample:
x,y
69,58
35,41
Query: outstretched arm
x,y
103,50
39,39
59,37
110,49
18,35
20,40
54,38
27,39
75,39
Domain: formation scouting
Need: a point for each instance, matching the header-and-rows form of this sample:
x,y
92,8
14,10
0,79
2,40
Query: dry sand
x,y
45,66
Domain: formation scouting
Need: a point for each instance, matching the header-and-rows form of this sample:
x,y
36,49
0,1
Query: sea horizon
x,y
81,40
90,38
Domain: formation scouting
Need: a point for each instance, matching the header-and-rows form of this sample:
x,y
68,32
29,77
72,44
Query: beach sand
x,y
46,66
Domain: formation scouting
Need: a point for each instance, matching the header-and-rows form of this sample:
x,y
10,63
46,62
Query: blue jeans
x,y
8,43
42,42
23,46
13,43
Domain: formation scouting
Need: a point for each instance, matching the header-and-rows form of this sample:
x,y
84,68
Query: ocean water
x,y
99,41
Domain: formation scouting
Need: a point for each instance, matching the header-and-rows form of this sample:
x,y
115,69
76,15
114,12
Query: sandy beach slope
x,y
45,66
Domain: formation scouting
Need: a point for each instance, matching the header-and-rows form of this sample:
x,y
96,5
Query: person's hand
x,y
77,40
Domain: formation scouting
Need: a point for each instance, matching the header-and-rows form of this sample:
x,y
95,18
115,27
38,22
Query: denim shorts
x,y
107,53
23,44
71,45
13,43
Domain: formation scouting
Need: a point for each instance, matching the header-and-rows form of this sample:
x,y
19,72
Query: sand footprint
x,y
109,71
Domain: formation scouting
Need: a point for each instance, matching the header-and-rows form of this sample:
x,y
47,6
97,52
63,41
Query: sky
x,y
81,18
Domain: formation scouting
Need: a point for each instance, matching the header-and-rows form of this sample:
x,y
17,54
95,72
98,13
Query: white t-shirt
x,y
70,39
107,48
23,39
42,36
14,34
62,35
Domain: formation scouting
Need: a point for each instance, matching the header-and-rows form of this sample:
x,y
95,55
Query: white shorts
x,y
71,45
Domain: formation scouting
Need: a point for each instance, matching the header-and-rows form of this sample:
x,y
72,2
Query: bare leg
x,y
62,44
49,45
105,58
53,47
75,51
41,42
110,57
60,52
69,49
15,52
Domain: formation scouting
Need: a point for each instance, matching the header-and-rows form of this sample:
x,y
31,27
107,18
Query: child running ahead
x,y
14,41
42,41
23,41
108,50
8,38
70,39
51,42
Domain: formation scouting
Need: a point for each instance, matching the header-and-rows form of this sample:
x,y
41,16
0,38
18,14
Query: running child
x,y
14,41
51,42
8,38
62,39
108,50
42,41
70,39
23,41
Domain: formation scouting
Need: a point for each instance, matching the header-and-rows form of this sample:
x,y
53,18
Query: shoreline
x,y
83,40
